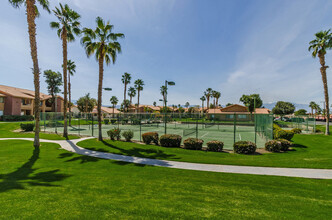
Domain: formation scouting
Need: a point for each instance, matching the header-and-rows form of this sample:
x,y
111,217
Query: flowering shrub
x,y
215,146
114,134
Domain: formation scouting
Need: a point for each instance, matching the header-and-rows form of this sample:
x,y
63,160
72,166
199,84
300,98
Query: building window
x,y
229,116
1,113
242,116
41,103
2,100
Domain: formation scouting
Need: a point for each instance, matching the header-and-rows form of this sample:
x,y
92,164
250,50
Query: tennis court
x,y
228,133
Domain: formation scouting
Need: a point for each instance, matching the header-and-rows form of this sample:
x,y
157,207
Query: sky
x,y
235,47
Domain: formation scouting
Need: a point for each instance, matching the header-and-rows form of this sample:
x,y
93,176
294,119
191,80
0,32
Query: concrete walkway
x,y
70,145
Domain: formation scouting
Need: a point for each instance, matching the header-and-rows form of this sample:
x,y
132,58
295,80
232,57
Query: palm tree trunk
x,y
326,92
137,101
100,87
208,102
113,110
69,93
65,102
131,98
124,96
31,15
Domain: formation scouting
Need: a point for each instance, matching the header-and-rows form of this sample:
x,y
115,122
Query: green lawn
x,y
56,184
6,131
309,151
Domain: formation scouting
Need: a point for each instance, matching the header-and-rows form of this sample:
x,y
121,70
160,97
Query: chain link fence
x,y
227,128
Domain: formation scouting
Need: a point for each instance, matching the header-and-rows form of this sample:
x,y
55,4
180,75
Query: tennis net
x,y
187,132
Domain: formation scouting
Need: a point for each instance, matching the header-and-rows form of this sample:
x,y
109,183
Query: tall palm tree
x,y
139,87
71,66
126,77
203,100
319,46
32,12
312,105
208,93
101,42
131,93
163,92
67,27
214,95
114,101
217,96
154,104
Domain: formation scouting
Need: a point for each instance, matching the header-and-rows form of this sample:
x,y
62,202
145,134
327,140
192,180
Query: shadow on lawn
x,y
143,153
25,175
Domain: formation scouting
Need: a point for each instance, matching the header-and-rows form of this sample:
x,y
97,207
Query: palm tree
x,y
131,93
154,104
163,92
208,94
217,96
187,104
114,101
71,66
125,80
214,94
32,12
203,100
318,46
103,43
139,87
67,27
312,105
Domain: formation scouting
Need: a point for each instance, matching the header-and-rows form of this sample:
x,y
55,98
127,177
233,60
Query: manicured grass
x,y
309,151
7,131
54,183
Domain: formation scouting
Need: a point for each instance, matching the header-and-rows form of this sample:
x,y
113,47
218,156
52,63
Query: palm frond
x,y
16,3
45,4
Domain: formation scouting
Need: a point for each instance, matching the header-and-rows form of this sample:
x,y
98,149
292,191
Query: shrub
x,y
284,134
244,147
106,121
16,118
150,137
216,146
297,130
276,128
318,130
113,121
114,133
170,140
193,144
128,135
27,126
285,144
273,146
124,121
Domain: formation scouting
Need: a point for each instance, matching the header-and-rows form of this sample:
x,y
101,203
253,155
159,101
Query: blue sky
x,y
236,47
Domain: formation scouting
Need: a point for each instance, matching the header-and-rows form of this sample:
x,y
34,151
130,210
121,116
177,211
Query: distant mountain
x,y
297,106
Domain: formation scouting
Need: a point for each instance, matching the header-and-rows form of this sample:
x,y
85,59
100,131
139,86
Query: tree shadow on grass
x,y
143,153
26,175
299,146
75,157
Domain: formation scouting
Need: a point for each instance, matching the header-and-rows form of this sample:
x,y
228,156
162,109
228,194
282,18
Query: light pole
x,y
170,83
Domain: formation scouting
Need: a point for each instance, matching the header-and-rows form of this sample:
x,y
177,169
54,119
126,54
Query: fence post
x,y
255,118
79,124
234,119
92,123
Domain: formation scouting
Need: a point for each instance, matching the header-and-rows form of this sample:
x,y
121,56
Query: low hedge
x,y
244,147
16,118
106,121
150,137
27,126
193,144
216,146
170,140
284,134
297,130
285,144
273,146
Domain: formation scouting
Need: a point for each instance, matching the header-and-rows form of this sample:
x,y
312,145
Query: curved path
x,y
71,145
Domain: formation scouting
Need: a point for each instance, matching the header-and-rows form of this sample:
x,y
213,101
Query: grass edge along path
x,y
309,151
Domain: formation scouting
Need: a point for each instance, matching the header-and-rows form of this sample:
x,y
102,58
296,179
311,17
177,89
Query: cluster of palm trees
x,y
314,106
208,94
132,91
101,42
